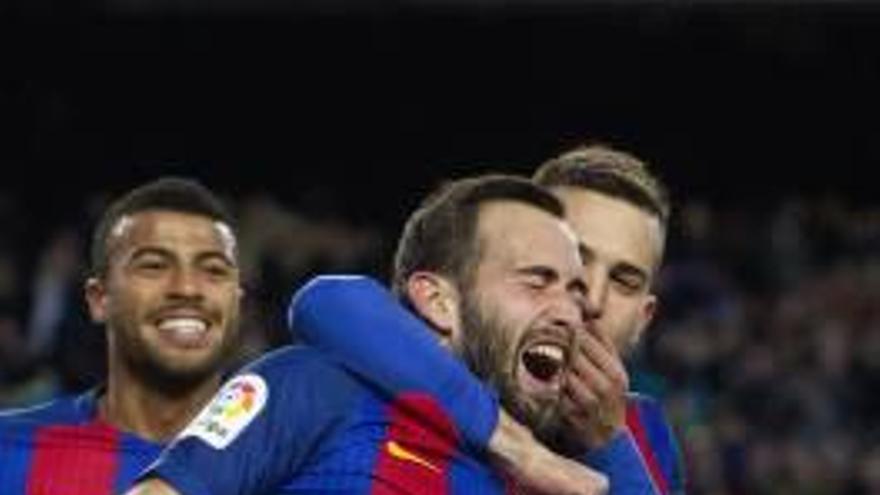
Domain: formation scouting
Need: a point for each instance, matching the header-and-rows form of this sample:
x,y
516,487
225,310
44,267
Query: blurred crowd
x,y
766,350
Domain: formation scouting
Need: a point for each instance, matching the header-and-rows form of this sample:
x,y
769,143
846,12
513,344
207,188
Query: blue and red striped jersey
x,y
296,422
316,420
359,323
60,448
657,443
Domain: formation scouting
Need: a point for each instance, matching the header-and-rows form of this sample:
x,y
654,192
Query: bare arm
x,y
152,486
535,468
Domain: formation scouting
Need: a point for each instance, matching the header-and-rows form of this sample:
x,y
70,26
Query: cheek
x,y
225,306
622,319
131,302
124,305
512,325
229,299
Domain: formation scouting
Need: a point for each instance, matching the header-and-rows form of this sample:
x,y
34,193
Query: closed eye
x,y
630,278
537,277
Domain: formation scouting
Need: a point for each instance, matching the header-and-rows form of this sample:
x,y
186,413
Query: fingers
x,y
601,349
597,367
594,393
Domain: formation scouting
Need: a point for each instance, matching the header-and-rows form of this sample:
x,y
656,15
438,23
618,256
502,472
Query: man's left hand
x,y
594,393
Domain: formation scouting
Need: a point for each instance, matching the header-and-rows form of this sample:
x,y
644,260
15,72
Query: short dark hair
x,y
176,194
440,235
609,171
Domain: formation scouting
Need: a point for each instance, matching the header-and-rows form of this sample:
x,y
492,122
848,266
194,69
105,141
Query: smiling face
x,y
522,309
169,297
622,249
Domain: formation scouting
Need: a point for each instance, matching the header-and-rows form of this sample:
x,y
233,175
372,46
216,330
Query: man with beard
x,y
296,422
165,284
620,212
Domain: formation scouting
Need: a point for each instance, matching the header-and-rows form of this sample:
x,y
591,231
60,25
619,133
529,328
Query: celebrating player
x,y
620,212
486,259
165,285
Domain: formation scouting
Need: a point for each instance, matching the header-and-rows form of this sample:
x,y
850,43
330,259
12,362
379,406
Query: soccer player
x,y
620,212
165,285
485,260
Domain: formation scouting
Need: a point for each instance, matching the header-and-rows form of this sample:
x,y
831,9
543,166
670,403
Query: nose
x,y
185,284
571,310
597,291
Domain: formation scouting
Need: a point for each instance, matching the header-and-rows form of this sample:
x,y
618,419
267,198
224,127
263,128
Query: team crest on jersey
x,y
239,401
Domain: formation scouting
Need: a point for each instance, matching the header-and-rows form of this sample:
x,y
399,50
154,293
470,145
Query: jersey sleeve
x,y
259,428
657,444
360,323
621,461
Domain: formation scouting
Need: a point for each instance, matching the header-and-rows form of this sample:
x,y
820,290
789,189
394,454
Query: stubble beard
x,y
152,366
487,349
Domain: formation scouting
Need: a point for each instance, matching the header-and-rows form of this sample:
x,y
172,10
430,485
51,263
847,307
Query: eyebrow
x,y
148,251
165,253
539,270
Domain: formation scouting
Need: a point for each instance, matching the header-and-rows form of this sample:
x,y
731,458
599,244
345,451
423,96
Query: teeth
x,y
543,362
549,351
183,325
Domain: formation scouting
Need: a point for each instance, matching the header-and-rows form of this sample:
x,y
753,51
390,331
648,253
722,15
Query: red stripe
x,y
74,460
419,444
634,422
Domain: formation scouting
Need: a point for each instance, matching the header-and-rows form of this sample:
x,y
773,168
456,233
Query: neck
x,y
137,407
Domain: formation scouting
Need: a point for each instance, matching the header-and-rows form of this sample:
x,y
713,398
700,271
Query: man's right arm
x,y
362,325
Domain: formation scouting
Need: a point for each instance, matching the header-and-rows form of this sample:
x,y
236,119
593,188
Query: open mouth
x,y
541,369
544,361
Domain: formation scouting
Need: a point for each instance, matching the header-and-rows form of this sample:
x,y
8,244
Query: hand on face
x,y
594,392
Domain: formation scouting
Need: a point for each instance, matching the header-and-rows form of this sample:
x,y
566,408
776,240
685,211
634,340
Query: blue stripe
x,y
16,452
345,462
134,455
468,476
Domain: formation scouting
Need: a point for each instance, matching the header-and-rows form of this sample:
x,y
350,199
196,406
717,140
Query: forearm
x,y
152,486
530,466
510,442
362,325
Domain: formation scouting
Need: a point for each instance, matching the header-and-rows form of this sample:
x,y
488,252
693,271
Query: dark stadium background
x,y
729,101
762,117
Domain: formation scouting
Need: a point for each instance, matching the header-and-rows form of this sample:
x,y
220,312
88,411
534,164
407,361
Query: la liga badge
x,y
239,401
